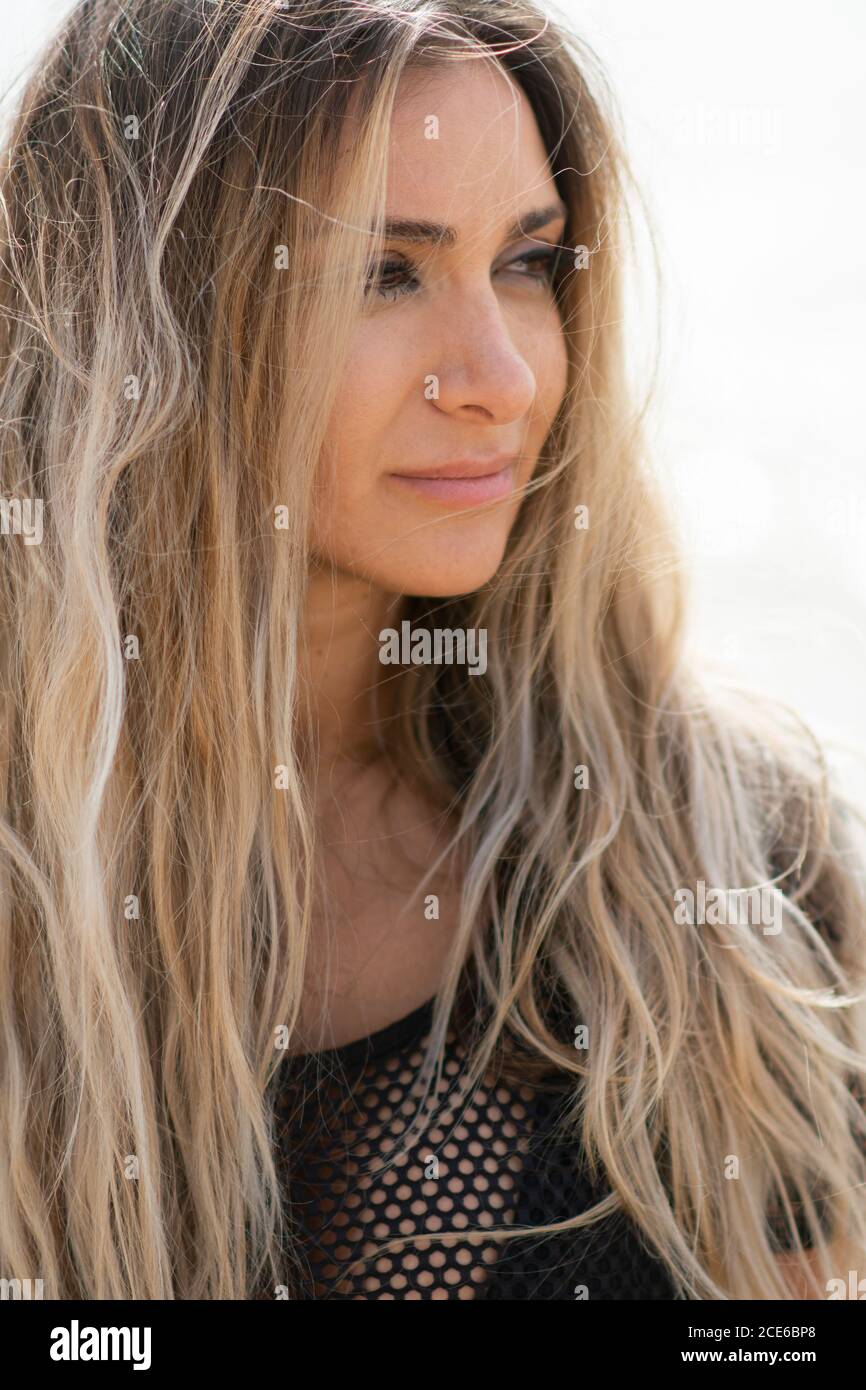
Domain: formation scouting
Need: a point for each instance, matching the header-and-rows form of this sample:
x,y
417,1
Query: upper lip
x,y
464,468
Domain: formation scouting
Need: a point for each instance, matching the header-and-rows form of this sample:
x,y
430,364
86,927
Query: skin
x,y
484,321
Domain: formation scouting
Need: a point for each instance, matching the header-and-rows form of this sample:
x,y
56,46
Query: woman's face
x,y
459,361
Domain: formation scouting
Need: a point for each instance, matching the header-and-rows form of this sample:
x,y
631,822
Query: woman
x,y
374,862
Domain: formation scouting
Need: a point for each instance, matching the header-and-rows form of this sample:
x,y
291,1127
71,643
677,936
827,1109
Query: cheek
x,y
369,398
364,401
552,376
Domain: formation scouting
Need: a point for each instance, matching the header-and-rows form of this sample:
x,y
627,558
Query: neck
x,y
347,685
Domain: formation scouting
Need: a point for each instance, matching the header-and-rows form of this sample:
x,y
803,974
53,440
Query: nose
x,y
482,371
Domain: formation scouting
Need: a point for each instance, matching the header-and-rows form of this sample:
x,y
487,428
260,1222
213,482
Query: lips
x,y
462,482
463,468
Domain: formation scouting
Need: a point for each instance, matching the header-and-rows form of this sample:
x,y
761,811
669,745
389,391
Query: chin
x,y
438,571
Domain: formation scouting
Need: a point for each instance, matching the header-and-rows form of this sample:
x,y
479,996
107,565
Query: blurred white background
x,y
746,126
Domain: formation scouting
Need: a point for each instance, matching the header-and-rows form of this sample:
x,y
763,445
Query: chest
x,y
380,945
384,1212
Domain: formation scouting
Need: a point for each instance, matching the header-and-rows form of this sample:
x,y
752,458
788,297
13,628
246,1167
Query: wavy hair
x,y
163,389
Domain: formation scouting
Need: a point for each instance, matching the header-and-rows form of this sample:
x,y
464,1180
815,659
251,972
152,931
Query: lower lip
x,y
462,491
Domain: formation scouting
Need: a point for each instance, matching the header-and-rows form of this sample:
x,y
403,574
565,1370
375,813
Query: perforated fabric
x,y
356,1177
353,1181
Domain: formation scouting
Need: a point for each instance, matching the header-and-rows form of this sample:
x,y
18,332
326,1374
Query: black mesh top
x,y
356,1177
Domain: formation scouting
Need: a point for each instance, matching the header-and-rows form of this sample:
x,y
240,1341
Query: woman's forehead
x,y
465,142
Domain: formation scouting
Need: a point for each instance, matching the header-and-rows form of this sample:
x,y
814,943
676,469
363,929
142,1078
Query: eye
x,y
543,264
392,278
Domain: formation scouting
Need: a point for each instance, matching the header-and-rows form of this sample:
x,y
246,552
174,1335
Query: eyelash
x,y
548,258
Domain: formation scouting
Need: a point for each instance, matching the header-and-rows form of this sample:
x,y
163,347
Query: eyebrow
x,y
439,234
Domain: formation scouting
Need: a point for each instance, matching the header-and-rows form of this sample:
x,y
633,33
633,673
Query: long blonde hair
x,y
164,389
